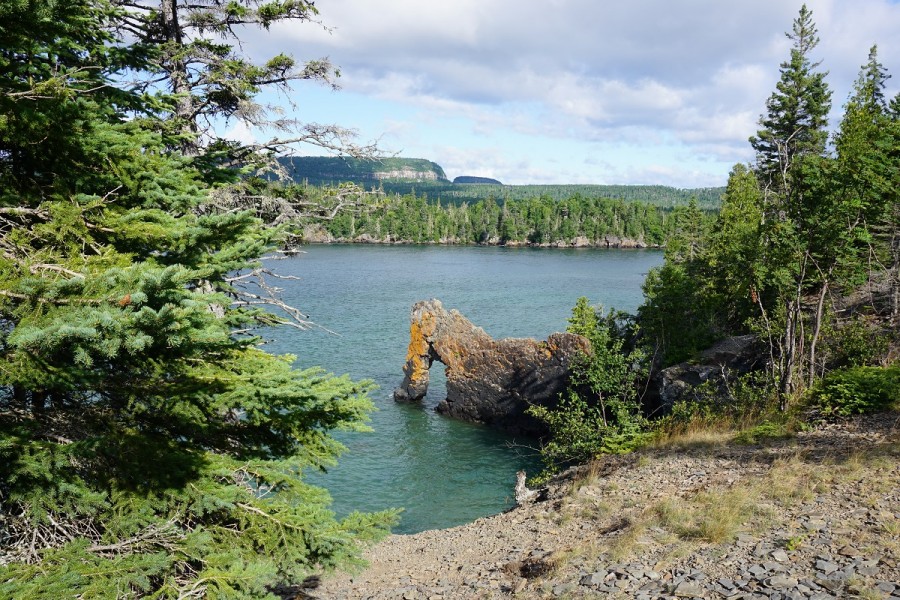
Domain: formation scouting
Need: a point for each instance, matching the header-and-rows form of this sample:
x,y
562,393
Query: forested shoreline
x,y
576,221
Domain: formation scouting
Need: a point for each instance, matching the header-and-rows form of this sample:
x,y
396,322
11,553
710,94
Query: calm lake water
x,y
442,472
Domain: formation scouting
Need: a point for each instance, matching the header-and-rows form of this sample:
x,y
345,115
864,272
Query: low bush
x,y
860,390
728,404
600,413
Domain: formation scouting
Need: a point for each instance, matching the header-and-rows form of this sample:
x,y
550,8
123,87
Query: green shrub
x,y
727,403
767,430
860,390
579,432
857,344
600,413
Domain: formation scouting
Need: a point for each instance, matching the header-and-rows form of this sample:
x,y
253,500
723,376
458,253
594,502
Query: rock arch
x,y
488,381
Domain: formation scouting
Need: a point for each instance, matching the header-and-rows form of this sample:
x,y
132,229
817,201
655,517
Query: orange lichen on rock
x,y
417,352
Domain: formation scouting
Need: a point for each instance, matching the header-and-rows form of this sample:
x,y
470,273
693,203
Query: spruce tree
x,y
889,221
867,161
147,445
796,112
868,152
195,52
735,252
202,80
789,164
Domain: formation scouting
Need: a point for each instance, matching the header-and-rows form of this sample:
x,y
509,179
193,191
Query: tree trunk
x,y
20,395
788,357
38,401
894,276
178,72
817,328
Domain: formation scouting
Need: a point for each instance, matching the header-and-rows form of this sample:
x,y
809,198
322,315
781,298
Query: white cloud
x,y
693,74
240,132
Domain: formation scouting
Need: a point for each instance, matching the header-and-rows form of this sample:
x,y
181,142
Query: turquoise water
x,y
442,472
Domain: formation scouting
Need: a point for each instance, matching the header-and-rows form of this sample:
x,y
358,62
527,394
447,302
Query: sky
x,y
568,91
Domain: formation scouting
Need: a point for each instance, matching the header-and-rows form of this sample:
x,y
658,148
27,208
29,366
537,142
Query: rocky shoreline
x,y
812,517
320,236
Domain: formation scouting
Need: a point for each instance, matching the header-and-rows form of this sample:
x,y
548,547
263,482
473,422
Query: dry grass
x,y
587,477
692,437
891,526
721,515
714,516
593,509
863,590
791,481
623,545
670,512
705,426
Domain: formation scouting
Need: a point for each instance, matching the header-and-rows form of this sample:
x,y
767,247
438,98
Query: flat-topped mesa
x,y
488,381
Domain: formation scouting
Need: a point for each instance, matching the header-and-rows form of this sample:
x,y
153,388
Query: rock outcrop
x,y
727,358
410,174
488,381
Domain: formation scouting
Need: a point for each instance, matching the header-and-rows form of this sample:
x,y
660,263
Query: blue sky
x,y
568,91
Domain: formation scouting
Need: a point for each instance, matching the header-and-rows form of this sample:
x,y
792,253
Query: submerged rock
x,y
488,381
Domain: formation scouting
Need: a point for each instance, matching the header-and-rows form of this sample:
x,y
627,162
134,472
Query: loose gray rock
x,y
782,581
780,555
686,589
597,578
826,567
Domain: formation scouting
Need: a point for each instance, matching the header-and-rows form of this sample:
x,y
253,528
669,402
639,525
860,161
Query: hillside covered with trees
x,y
420,177
660,196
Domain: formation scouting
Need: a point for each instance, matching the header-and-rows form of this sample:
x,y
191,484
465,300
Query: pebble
x,y
757,571
782,581
826,567
688,590
562,589
597,578
726,583
780,555
886,587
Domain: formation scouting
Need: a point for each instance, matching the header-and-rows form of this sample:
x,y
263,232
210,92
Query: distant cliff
x,y
330,169
422,177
